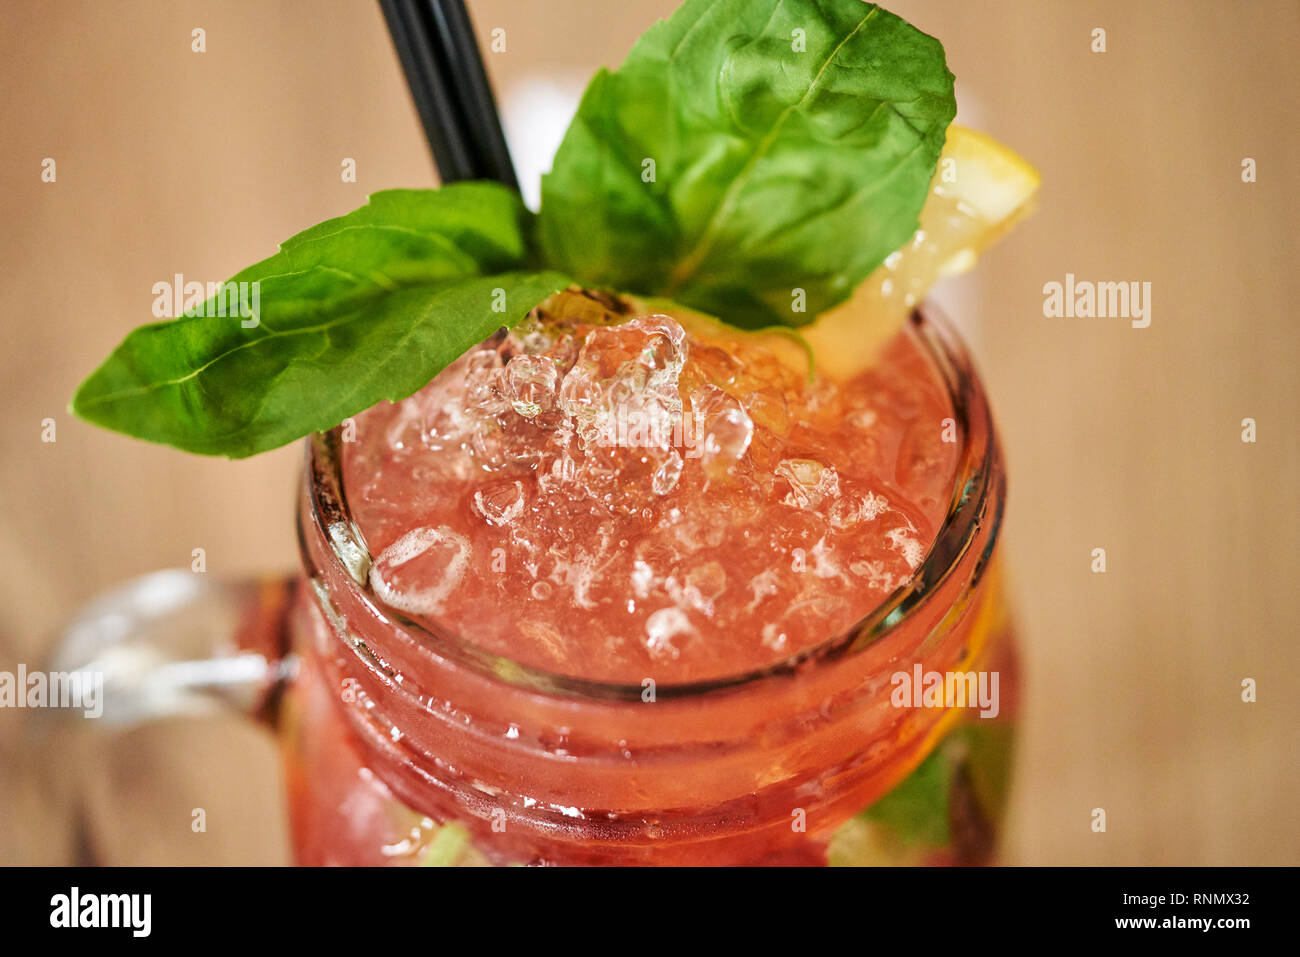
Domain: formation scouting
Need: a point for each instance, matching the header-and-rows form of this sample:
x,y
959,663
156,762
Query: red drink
x,y
615,591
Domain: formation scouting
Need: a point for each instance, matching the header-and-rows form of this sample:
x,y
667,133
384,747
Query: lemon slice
x,y
980,189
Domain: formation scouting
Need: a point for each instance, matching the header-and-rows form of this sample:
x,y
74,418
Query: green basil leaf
x,y
916,810
793,143
365,307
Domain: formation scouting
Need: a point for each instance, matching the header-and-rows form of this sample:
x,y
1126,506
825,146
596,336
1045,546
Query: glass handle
x,y
178,643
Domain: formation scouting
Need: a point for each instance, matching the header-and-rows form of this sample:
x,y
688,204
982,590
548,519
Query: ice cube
x,y
905,542
667,475
482,379
722,426
530,383
501,504
856,507
811,482
661,628
625,378
706,583
435,557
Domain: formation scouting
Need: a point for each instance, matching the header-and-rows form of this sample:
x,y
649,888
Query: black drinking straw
x,y
440,57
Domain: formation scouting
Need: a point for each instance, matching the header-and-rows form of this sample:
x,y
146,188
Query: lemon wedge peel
x,y
980,189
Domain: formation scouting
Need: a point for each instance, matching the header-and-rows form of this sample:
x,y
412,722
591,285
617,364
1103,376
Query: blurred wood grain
x,y
171,161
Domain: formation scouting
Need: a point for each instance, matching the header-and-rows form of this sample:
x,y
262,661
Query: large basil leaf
x,y
792,141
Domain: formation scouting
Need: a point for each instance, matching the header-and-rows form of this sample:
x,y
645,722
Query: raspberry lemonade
x,y
657,526
679,649
624,501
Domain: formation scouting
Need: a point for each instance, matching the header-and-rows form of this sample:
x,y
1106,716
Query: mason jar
x,y
407,744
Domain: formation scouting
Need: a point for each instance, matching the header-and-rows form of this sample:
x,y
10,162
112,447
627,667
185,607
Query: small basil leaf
x,y
365,307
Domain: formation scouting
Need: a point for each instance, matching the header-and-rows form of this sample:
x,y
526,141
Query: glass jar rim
x,y
977,484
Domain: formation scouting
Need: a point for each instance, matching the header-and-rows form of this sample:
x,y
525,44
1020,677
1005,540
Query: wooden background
x,y
171,161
